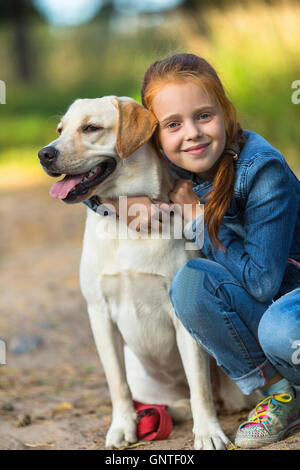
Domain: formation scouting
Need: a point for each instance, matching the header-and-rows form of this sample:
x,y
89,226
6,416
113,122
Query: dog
x,y
105,150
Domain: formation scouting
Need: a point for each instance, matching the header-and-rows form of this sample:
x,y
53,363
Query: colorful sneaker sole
x,y
245,442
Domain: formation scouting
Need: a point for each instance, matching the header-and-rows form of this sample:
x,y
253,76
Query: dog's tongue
x,y
62,188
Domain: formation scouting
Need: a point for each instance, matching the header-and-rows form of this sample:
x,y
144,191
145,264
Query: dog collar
x,y
95,205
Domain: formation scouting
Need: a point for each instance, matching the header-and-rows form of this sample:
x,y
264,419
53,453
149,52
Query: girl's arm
x,y
258,259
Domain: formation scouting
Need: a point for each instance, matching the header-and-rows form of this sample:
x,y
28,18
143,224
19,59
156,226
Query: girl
x,y
242,302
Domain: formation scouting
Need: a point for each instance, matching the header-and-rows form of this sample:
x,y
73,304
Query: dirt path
x,y
55,396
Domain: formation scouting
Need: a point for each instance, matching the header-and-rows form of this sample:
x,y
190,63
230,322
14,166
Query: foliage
x,y
254,49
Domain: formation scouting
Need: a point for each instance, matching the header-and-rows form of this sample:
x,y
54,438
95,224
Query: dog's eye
x,y
91,128
59,131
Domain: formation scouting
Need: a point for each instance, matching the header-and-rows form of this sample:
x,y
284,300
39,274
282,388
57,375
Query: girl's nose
x,y
192,130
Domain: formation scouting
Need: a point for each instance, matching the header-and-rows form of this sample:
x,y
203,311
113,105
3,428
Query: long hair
x,y
189,67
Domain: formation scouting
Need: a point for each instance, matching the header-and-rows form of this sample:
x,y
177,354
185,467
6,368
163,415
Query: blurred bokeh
x,y
54,51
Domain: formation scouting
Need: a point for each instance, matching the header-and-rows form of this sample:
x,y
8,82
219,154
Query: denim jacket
x,y
261,228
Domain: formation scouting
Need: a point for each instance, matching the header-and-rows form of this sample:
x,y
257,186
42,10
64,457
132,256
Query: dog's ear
x,y
135,126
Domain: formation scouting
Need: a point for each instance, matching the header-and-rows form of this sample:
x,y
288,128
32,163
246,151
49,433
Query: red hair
x,y
189,67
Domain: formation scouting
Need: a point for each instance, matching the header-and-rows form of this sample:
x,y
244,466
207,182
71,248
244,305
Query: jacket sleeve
x,y
258,258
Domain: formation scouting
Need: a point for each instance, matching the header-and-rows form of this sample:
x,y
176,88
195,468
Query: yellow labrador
x,y
147,355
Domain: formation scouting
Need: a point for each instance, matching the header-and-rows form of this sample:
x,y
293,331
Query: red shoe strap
x,y
154,423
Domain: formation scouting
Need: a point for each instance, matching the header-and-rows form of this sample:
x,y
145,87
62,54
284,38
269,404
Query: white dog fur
x,y
146,353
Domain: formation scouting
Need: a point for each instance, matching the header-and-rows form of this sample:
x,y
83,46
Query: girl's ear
x,y
135,126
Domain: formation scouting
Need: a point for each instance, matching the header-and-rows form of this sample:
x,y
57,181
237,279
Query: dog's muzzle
x,y
48,156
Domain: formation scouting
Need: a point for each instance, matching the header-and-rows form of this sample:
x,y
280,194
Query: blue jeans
x,y
250,340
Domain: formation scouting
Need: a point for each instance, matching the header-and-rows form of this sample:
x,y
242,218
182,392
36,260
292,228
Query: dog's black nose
x,y
48,155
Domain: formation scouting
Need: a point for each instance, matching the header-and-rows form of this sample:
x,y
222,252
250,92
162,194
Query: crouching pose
x,y
242,302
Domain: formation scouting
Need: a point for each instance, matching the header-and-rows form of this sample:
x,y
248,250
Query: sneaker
x,y
272,420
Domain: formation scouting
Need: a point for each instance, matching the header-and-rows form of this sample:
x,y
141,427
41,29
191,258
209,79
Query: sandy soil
x,y
56,397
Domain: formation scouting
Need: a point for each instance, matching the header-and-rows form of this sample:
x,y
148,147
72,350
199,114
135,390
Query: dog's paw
x,y
121,434
211,438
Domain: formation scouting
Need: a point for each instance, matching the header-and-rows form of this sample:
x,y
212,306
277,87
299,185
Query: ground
x,y
55,396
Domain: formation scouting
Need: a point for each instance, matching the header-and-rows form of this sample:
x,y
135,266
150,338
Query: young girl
x,y
241,302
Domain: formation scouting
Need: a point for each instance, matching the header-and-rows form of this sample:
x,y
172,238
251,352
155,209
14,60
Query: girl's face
x,y
191,127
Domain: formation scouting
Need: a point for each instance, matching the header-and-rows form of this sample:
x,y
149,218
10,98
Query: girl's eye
x,y
172,125
203,116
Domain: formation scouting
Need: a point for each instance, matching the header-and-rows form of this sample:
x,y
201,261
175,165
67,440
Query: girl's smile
x,y
191,126
196,149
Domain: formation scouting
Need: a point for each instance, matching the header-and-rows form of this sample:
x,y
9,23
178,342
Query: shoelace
x,y
259,414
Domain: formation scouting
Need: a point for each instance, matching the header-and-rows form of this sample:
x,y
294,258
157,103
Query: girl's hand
x,y
145,211
182,194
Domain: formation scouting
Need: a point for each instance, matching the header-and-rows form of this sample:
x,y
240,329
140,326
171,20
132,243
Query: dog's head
x,y
95,136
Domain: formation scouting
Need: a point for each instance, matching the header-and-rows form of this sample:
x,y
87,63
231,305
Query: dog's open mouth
x,y
72,186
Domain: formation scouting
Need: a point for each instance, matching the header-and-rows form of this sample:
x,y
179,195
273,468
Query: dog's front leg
x,y
110,346
207,430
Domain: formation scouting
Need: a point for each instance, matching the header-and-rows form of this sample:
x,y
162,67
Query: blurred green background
x,y
51,54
